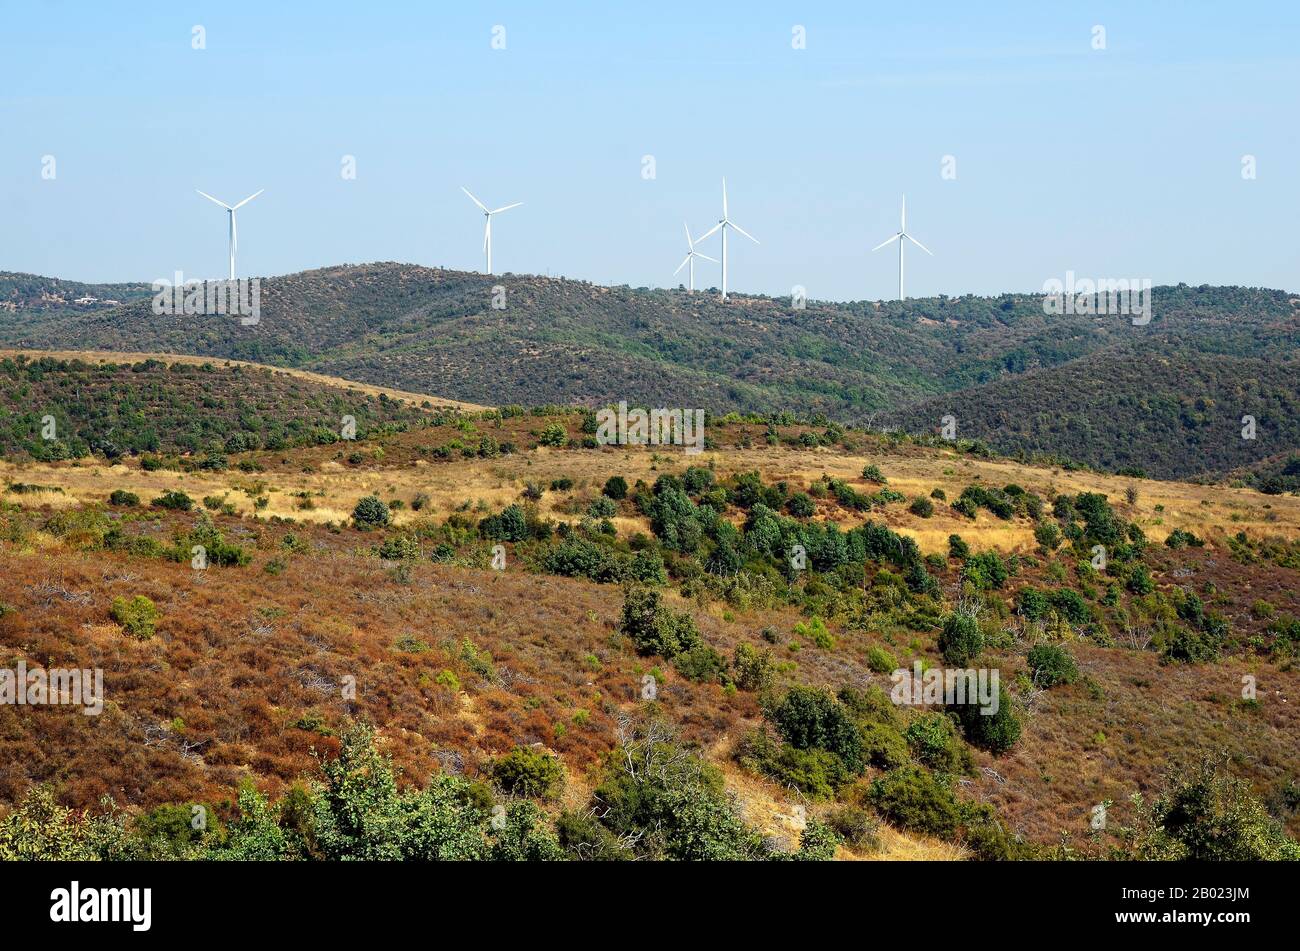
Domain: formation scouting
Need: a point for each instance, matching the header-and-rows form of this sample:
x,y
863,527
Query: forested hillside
x,y
1068,385
151,406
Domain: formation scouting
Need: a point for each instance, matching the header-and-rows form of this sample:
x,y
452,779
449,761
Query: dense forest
x,y
572,342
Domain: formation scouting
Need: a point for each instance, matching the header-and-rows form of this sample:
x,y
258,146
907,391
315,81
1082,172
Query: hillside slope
x,y
457,664
566,342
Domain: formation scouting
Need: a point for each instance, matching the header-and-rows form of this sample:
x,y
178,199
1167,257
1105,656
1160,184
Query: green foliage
x,y
508,525
996,732
371,512
913,798
38,829
936,744
801,505
815,630
700,663
123,498
615,488
809,718
957,548
1051,665
986,571
881,661
753,667
138,615
526,771
173,499
655,628
961,640
553,435
1206,815
670,802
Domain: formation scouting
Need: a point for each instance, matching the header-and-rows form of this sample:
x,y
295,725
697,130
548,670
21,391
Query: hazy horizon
x,y
1122,162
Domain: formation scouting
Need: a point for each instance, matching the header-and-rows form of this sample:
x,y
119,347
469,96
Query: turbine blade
x,y
887,241
472,198
705,257
487,233
743,231
250,198
210,198
724,196
685,261
708,233
506,207
919,244
689,243
902,220
234,232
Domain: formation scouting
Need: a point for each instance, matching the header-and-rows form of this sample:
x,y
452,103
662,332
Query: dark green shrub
x,y
526,771
173,499
801,505
934,741
1051,665
810,718
700,663
655,628
957,548
615,488
508,525
996,732
961,640
913,798
124,498
371,512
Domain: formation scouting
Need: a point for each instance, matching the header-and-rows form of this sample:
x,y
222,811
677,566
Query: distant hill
x,y
1011,367
153,406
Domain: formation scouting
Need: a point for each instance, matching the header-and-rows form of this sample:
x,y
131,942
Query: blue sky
x,y
1124,162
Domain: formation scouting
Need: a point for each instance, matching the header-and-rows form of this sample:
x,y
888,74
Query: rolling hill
x,y
987,361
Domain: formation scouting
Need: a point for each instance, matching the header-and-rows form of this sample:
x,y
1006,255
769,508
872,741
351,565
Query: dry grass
x,y
1210,511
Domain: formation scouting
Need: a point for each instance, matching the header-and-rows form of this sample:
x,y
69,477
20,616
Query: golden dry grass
x,y
1208,510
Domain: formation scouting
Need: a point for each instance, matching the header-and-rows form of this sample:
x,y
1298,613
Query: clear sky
x,y
1122,162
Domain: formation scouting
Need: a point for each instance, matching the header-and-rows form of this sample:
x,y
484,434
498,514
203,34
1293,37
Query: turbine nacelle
x,y
234,231
899,236
487,227
723,224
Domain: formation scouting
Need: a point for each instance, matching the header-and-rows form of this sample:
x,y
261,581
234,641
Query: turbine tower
x,y
230,209
902,233
724,223
691,255
487,229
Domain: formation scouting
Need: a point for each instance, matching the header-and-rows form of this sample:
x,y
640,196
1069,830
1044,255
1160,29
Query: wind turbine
x,y
487,230
691,255
724,223
902,233
234,238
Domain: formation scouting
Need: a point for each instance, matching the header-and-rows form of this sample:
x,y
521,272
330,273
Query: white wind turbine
x,y
691,255
230,209
487,230
724,223
902,233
